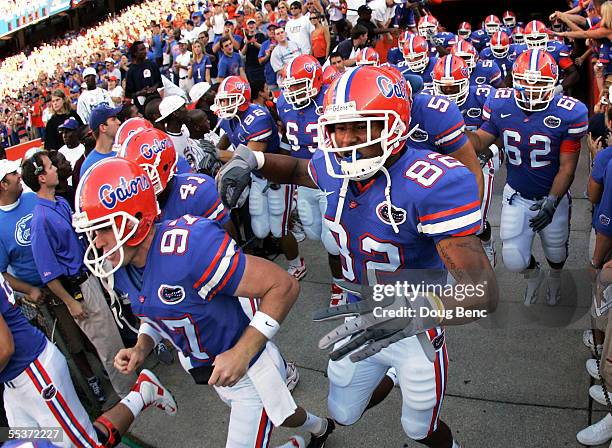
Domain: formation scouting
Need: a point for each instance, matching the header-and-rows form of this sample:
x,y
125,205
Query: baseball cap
x,y
102,113
112,78
296,3
239,13
168,105
229,22
183,41
111,60
251,20
364,9
69,123
8,166
198,90
89,71
272,25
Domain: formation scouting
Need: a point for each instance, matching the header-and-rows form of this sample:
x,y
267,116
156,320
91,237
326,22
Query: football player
x,y
509,20
439,42
269,204
416,59
367,56
299,107
499,51
390,208
39,392
536,36
395,55
482,37
186,276
481,72
518,35
451,79
541,134
464,31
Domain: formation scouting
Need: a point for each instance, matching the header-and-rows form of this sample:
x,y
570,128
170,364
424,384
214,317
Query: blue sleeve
x,y
453,207
208,199
488,116
222,68
207,63
449,126
579,122
600,163
262,50
4,258
261,127
44,253
315,165
217,267
182,165
495,77
603,223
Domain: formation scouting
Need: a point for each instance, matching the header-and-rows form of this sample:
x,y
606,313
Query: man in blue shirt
x,y
16,211
264,57
58,253
104,123
230,62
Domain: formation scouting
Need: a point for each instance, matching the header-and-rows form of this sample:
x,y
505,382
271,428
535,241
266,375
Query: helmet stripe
x,y
411,45
347,85
223,83
533,62
448,66
288,69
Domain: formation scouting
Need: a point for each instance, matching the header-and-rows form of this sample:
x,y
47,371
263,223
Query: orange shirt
x,y
319,46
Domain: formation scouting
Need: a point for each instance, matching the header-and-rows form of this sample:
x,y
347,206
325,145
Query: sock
x,y
297,262
391,373
314,425
134,402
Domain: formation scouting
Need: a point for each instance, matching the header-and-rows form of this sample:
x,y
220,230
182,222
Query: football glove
x,y
546,207
234,179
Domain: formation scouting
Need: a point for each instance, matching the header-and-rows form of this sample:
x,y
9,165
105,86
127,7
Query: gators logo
x,y
109,196
399,214
23,236
49,392
419,136
438,341
171,294
552,122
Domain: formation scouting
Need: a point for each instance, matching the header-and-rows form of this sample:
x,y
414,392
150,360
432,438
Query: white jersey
x,y
90,99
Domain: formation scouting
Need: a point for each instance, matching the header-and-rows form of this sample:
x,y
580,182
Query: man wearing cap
x,y
91,97
265,52
253,40
58,253
111,69
299,28
16,211
73,149
182,63
115,90
365,20
230,62
228,31
103,123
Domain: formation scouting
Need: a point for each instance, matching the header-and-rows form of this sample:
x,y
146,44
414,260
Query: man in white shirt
x,y
383,12
92,97
182,63
73,149
115,90
111,69
284,52
298,28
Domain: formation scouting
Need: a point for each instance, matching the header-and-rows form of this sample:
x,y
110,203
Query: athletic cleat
x,y
154,393
489,248
553,295
338,296
597,393
294,442
298,272
591,367
597,433
96,389
292,376
534,280
587,339
163,353
319,442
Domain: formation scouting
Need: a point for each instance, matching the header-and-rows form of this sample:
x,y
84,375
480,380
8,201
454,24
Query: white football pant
x,y
311,205
270,208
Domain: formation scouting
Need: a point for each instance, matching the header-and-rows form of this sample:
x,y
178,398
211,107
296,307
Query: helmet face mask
x,y
492,25
302,82
454,90
536,35
534,77
298,92
509,19
416,54
451,79
228,104
500,45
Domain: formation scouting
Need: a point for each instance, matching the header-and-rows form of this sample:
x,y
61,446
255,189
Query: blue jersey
x,y
186,290
199,69
395,56
29,341
193,194
257,124
558,50
601,165
486,72
444,39
480,39
504,64
301,125
602,219
425,74
534,142
433,197
16,240
182,165
472,109
440,125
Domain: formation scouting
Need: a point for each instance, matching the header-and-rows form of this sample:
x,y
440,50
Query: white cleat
x,y
553,295
338,296
597,393
154,393
591,367
489,248
534,280
587,340
597,433
298,272
292,376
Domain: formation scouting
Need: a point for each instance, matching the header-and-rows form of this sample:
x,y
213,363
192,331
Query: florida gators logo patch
x,y
438,341
552,122
398,214
171,294
49,392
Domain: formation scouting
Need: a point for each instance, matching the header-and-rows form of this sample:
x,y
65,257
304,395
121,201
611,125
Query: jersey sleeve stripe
x,y
471,231
449,131
260,135
216,259
577,130
226,277
213,209
228,263
456,136
578,125
218,213
452,211
451,224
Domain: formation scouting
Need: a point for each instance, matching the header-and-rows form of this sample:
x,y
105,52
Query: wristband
x,y
264,324
261,159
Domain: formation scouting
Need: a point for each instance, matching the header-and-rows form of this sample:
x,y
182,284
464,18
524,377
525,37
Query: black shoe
x,y
319,442
163,353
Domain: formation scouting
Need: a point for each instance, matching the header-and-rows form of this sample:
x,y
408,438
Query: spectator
x,y
320,39
206,45
59,254
336,17
253,40
111,69
189,34
348,48
284,52
36,113
73,149
60,106
299,28
199,68
269,14
230,62
115,90
104,124
182,63
264,56
64,187
157,43
283,13
92,97
16,209
217,20
143,78
383,12
228,31
337,61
